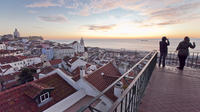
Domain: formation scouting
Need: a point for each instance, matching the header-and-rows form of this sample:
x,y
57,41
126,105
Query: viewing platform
x,y
172,90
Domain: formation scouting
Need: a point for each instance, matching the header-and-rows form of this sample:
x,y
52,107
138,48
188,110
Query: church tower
x,y
82,42
16,33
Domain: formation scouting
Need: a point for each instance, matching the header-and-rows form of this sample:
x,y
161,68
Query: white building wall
x,y
88,89
66,78
78,47
61,53
23,63
92,91
78,63
2,47
67,102
8,71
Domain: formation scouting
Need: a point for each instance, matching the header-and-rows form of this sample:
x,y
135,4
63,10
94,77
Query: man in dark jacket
x,y
183,51
163,50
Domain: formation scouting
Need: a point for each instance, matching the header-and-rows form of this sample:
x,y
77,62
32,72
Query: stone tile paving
x,y
172,90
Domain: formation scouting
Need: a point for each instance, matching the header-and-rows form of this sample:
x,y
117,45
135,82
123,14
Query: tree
x,y
2,84
26,75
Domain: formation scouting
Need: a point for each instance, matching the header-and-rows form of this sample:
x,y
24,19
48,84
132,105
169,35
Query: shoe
x,y
179,68
163,66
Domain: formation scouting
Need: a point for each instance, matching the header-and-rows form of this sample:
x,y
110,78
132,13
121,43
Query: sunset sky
x,y
61,19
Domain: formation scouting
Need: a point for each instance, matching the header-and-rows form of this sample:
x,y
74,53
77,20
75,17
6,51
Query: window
x,y
44,97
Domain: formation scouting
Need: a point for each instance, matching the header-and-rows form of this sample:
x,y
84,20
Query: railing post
x,y
197,60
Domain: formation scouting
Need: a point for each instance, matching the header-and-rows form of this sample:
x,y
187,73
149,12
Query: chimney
x,y
118,89
82,71
125,67
114,63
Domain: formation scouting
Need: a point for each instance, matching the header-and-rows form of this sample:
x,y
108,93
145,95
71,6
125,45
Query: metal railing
x,y
193,60
132,95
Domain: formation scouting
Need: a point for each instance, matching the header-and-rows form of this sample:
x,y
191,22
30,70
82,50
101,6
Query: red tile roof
x,y
103,77
15,99
76,71
9,77
8,59
55,61
39,65
33,89
8,51
76,77
22,57
47,70
66,59
66,72
5,66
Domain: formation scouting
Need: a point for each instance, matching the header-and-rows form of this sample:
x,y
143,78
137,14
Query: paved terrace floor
x,y
172,90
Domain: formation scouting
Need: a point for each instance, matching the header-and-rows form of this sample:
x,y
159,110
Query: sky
x,y
63,19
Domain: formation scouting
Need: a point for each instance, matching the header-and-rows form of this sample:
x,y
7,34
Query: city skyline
x,y
64,19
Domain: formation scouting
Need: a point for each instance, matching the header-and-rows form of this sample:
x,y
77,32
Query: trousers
x,y
182,59
162,58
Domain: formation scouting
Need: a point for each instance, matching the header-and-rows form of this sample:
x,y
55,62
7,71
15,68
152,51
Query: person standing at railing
x,y
163,50
183,51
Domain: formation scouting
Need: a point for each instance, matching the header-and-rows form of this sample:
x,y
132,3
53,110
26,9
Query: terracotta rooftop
x,y
55,61
8,59
8,51
47,70
16,99
76,71
70,60
9,77
103,77
34,89
5,66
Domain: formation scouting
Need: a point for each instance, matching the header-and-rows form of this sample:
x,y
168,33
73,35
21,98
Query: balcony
x,y
156,89
172,90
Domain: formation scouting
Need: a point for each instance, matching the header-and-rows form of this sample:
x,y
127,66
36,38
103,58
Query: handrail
x,y
192,61
116,103
82,109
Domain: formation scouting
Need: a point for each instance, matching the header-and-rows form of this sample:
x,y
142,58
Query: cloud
x,y
153,12
42,4
163,23
175,15
180,10
32,11
100,27
54,18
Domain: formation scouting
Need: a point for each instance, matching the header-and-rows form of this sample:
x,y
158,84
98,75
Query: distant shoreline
x,y
132,44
